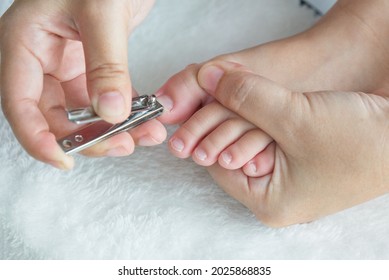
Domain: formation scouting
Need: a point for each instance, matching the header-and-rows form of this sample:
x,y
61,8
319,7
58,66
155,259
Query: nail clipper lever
x,y
143,109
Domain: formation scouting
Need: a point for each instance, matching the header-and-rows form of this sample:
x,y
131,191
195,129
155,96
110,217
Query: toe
x,y
262,164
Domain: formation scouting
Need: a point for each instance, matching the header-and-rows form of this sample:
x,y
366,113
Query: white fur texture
x,y
151,205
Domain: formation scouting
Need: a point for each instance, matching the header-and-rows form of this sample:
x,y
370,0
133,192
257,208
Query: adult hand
x,y
57,54
331,148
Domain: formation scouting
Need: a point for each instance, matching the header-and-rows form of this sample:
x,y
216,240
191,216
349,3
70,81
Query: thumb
x,y
263,102
104,33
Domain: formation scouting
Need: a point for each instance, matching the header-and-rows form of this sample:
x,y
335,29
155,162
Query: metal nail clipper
x,y
143,109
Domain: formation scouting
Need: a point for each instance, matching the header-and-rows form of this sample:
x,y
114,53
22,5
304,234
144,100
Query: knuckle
x,y
97,9
107,71
195,126
296,125
238,86
89,9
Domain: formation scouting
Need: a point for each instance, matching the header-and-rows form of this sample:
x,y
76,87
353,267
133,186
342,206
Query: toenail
x,y
253,166
58,164
166,102
201,154
209,77
177,144
227,157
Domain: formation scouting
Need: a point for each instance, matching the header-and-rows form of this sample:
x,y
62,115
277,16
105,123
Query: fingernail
x,y
166,102
57,164
177,144
201,154
63,165
117,152
227,157
209,78
111,104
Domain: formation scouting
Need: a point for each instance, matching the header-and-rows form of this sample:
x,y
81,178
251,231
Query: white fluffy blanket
x,y
151,205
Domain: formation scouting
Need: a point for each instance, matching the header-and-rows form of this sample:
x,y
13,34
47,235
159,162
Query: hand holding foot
x,y
330,149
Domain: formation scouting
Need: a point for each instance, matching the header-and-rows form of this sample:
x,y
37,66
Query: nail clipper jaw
x,y
88,115
144,108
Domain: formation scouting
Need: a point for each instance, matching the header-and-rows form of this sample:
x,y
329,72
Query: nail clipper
x,y
143,109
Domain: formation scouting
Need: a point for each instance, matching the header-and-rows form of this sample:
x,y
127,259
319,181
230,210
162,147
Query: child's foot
x,y
215,134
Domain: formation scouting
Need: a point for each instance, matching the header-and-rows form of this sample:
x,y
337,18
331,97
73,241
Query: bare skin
x,y
331,148
303,164
69,53
347,60
326,57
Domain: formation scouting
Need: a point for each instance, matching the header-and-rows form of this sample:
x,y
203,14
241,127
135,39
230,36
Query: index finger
x,y
21,83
